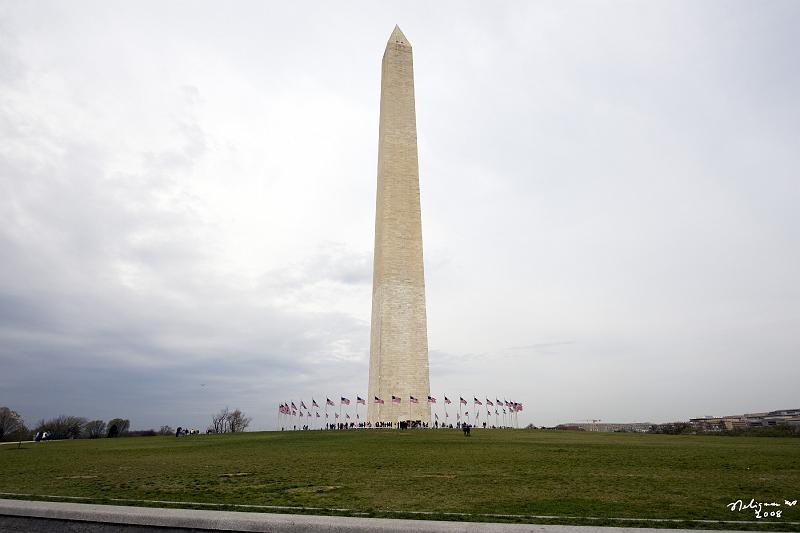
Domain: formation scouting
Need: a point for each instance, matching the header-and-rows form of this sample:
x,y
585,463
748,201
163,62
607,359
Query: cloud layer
x,y
609,199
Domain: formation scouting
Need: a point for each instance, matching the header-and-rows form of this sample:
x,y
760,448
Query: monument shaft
x,y
399,338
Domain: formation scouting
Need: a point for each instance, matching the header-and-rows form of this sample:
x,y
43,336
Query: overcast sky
x,y
610,197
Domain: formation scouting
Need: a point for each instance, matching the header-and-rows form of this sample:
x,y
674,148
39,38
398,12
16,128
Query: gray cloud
x,y
609,206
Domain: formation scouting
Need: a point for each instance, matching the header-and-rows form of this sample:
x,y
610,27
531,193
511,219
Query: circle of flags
x,y
507,409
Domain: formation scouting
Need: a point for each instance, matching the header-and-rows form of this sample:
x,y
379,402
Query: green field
x,y
524,473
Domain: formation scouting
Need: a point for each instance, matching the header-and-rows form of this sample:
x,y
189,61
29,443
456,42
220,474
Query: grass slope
x,y
518,472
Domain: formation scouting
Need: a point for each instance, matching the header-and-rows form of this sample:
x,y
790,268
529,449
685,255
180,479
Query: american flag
x,y
326,415
378,401
294,406
301,413
395,399
294,412
303,405
504,411
360,400
347,416
329,402
308,413
463,401
495,412
489,402
314,403
413,400
518,407
437,416
431,399
447,400
317,415
498,401
488,412
477,401
345,401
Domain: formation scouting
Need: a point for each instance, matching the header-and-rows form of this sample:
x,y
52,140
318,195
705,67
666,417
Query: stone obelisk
x,y
398,363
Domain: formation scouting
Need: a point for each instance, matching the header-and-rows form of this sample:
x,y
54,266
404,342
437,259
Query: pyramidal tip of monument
x,y
397,36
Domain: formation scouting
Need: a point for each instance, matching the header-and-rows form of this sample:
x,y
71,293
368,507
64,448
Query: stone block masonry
x,y
399,338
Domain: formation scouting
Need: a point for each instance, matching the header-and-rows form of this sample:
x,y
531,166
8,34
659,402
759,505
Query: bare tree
x,y
95,429
237,421
12,427
118,426
227,421
166,430
219,422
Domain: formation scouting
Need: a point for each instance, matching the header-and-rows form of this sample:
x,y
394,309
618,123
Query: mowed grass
x,y
380,472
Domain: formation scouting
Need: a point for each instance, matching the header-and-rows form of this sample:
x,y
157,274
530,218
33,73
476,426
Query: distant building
x,y
747,420
633,427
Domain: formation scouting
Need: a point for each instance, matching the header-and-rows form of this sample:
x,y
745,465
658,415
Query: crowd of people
x,y
403,424
183,432
42,435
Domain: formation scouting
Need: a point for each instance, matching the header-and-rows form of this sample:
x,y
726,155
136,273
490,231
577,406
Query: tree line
x,y
13,427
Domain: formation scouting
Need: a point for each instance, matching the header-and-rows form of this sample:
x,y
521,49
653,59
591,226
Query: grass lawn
x,y
393,473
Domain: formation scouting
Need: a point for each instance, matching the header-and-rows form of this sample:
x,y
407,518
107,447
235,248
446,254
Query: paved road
x,y
34,516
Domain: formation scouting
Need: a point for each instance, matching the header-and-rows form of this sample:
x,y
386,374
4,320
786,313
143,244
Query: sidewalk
x,y
35,516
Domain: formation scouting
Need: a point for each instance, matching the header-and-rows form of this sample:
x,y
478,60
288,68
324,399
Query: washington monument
x,y
398,363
